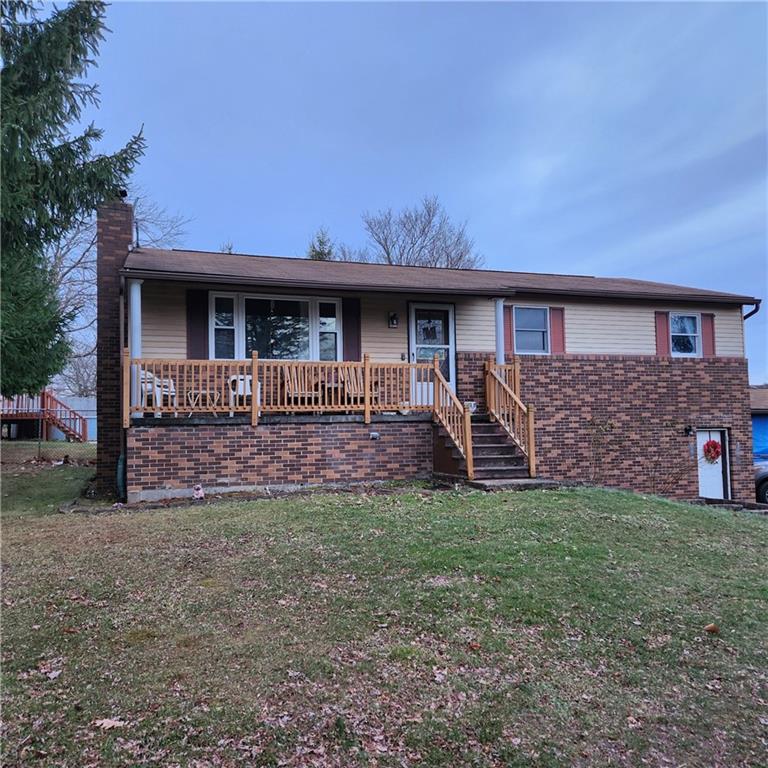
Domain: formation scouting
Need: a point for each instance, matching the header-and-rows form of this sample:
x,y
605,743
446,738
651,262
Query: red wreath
x,y
712,451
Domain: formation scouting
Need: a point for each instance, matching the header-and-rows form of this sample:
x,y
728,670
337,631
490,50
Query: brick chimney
x,y
114,232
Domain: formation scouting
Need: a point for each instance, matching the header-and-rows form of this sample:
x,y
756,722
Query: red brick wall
x,y
166,460
470,381
114,236
620,421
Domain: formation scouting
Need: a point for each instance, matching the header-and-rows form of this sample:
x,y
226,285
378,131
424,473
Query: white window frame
x,y
239,305
697,335
514,330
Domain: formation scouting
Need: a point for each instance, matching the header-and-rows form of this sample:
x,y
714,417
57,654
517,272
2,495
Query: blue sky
x,y
607,139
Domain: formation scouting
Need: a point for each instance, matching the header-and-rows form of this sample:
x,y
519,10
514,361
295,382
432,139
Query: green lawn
x,y
420,629
28,491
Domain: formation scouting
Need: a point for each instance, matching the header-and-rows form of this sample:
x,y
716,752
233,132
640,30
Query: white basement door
x,y
713,476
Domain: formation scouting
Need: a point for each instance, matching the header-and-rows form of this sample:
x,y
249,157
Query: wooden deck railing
x,y
456,419
163,387
505,406
48,409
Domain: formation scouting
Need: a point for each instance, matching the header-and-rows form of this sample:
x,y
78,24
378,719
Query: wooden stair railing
x,y
69,421
506,407
454,417
51,411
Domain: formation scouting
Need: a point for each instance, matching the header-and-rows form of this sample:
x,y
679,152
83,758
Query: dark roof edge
x,y
195,277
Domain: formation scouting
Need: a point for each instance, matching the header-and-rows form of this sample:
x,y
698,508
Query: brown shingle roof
x,y
341,275
758,398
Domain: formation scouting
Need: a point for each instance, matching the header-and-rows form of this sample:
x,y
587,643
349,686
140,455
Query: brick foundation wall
x,y
169,460
620,421
470,376
114,236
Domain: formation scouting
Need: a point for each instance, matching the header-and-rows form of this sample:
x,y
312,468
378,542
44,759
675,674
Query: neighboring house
x,y
236,372
758,397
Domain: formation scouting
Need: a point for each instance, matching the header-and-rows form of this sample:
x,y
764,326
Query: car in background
x,y
761,479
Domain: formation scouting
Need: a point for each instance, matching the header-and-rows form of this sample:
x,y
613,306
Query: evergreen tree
x,y
321,247
50,178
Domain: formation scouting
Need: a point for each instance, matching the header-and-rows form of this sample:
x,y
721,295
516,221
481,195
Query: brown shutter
x,y
557,330
708,335
509,331
350,312
197,324
662,334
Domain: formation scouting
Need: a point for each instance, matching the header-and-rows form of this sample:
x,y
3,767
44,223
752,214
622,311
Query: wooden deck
x,y
50,411
163,387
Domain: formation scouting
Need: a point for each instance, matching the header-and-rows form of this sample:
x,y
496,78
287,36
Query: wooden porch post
x,y
516,379
435,386
468,444
489,405
254,388
126,360
531,442
367,386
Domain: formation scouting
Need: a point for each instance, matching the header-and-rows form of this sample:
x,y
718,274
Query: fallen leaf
x,y
107,724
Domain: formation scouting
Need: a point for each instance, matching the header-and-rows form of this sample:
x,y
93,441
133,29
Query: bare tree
x,y
79,375
72,262
421,236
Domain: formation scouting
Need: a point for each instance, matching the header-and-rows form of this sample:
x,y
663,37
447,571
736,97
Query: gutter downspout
x,y
753,311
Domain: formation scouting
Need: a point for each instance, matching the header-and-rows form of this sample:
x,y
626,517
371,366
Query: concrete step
x,y
513,484
500,472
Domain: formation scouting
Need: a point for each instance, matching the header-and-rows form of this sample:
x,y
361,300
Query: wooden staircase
x,y
49,411
496,455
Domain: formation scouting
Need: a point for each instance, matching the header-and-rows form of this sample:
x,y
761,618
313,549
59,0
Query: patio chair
x,y
240,391
156,392
353,381
300,388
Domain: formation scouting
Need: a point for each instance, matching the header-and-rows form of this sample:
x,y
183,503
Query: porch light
x,y
394,320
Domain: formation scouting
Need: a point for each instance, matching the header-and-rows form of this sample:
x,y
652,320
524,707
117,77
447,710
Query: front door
x,y
713,468
431,332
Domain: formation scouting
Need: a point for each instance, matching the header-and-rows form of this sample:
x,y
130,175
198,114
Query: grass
x,y
424,629
29,493
19,451
32,483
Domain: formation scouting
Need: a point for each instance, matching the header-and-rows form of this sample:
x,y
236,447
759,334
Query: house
x,y
758,397
237,372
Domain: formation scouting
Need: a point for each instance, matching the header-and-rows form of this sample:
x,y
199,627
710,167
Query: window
x,y
685,338
278,329
224,327
328,330
275,327
531,330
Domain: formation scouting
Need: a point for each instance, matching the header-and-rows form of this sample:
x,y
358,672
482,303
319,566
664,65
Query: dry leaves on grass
x,y
107,723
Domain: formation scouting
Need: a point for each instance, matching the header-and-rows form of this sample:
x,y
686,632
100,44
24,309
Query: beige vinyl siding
x,y
628,329
474,318
729,333
382,343
590,328
163,320
475,325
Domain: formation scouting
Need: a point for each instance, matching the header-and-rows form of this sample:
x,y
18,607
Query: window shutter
x,y
197,324
350,314
509,331
557,330
662,334
708,335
